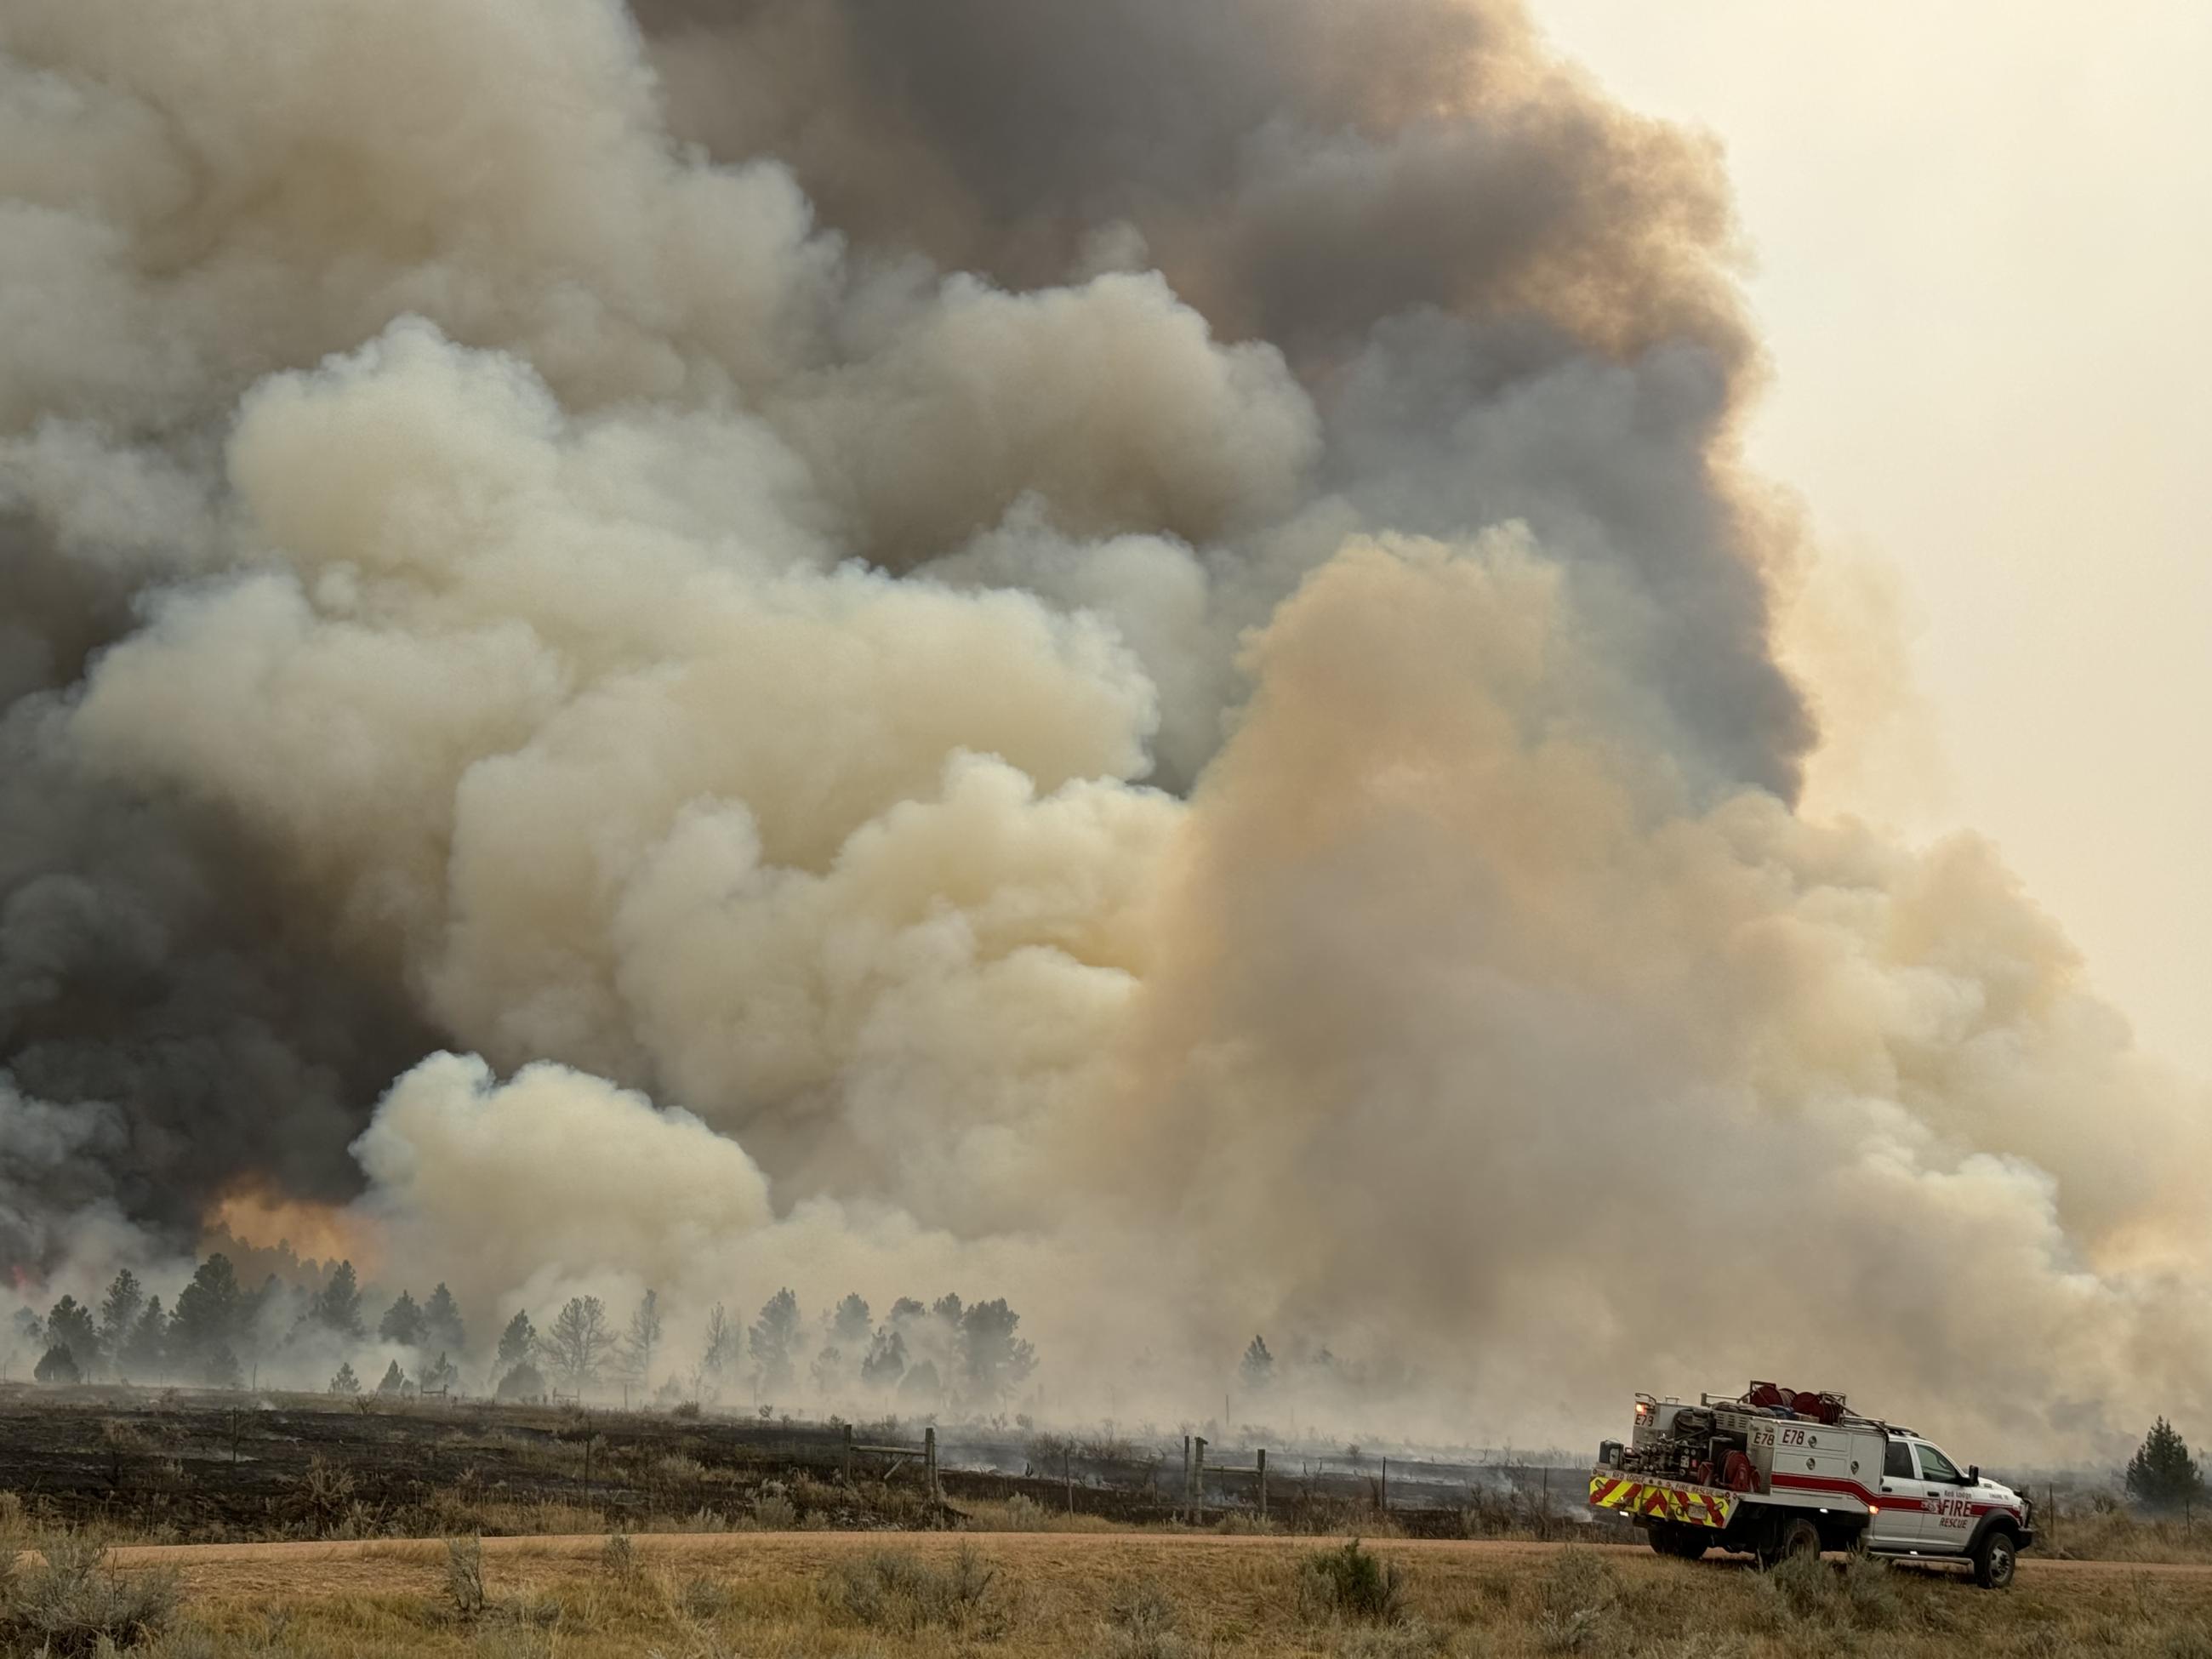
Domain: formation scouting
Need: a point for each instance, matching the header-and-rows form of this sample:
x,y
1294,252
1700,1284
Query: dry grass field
x,y
349,1533
1112,1596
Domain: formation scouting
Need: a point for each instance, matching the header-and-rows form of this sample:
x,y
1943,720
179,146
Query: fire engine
x,y
1775,1473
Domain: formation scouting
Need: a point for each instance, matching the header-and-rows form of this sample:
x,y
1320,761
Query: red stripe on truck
x,y
1874,1499
1843,1488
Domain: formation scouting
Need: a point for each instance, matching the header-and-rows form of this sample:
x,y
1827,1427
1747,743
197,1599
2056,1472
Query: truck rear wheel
x,y
1673,1538
1795,1537
1995,1557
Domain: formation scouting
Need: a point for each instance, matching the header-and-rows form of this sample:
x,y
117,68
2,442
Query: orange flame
x,y
318,1232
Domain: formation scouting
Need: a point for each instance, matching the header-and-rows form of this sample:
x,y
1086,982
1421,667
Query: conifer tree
x,y
2162,1475
403,1323
441,1322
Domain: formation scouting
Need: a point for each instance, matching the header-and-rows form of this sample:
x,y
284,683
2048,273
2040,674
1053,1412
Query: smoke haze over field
x,y
1108,653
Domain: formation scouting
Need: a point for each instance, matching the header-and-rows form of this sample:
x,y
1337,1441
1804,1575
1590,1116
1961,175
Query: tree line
x,y
923,1355
218,1328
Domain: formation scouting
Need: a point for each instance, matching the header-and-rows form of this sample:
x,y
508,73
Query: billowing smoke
x,y
1112,654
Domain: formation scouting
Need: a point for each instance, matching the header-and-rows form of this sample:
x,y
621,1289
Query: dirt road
x,y
391,1564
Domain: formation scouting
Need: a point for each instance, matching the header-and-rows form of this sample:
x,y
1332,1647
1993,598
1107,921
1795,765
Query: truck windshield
x,y
1934,1466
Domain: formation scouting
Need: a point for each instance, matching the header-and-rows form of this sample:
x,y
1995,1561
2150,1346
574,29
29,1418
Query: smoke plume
x,y
1115,653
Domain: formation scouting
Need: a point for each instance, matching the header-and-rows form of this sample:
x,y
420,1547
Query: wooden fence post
x,y
1263,1485
1067,1472
848,1454
1386,1486
929,1459
1198,1481
1184,1506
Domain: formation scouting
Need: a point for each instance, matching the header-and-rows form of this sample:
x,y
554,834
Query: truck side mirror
x,y
1973,1474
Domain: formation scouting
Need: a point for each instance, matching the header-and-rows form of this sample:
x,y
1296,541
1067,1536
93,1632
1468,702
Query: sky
x,y
1981,257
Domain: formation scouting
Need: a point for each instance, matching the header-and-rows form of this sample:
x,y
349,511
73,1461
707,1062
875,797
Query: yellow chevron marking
x,y
1664,1503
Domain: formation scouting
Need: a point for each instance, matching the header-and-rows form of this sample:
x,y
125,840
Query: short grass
x,y
1025,1597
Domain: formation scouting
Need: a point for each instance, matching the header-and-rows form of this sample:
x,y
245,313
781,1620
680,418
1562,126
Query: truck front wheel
x,y
1995,1557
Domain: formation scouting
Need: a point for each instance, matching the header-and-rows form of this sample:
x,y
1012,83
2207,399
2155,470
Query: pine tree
x,y
644,1338
345,1382
886,1361
921,1388
68,1325
850,1326
207,1324
2162,1475
721,1358
395,1380
403,1323
442,1373
146,1352
119,1314
993,1361
337,1306
775,1335
441,1322
1258,1366
59,1367
845,1349
580,1341
222,1369
518,1341
905,1312
523,1381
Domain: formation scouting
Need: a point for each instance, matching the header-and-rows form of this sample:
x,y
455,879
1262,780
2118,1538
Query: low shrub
x,y
1414,1639
897,1590
1860,1593
71,1603
465,1577
701,1598
773,1511
618,1557
1577,1592
1351,1583
1142,1624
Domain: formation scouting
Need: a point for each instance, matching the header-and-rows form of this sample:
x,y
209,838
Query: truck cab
x,y
1926,1506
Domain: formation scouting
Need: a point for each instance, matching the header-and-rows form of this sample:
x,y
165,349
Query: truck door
x,y
1899,1523
1949,1521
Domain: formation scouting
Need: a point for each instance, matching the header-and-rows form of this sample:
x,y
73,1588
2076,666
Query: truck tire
x,y
1995,1557
1795,1537
1673,1538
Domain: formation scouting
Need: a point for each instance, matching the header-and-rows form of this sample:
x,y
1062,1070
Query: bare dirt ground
x,y
381,1566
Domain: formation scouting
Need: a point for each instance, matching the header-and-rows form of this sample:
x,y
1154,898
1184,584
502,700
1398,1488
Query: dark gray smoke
x,y
174,1021
1508,295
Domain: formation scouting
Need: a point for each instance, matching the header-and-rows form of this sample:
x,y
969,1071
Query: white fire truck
x,y
1775,1473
